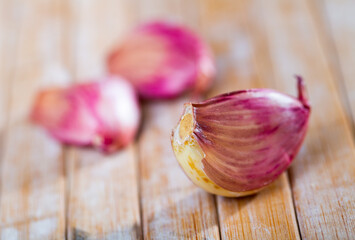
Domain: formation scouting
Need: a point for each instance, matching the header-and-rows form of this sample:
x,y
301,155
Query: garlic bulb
x,y
104,114
163,60
237,143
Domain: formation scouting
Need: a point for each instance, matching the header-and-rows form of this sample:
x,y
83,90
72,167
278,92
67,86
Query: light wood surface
x,y
52,192
4,67
32,178
341,33
102,190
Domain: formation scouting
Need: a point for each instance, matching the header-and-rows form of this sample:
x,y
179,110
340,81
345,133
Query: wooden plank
x,y
172,207
103,201
6,61
9,33
270,213
32,181
323,174
103,190
340,30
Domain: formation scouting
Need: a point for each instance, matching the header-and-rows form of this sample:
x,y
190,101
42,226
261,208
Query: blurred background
x,y
49,191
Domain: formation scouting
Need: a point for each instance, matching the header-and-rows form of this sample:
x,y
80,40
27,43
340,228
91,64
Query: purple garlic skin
x,y
103,114
248,138
163,60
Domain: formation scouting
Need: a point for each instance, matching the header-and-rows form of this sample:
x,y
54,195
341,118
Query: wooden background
x,y
52,192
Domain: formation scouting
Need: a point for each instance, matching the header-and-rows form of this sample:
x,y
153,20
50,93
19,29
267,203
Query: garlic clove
x,y
163,60
104,114
235,144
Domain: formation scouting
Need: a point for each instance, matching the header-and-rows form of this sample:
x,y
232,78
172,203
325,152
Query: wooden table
x,y
53,192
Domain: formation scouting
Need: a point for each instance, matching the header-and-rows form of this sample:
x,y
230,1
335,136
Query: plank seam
x,y
139,189
217,215
67,191
289,183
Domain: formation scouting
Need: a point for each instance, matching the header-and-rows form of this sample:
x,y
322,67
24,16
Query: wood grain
x,y
6,66
6,61
103,201
340,31
270,213
172,207
323,174
103,190
32,181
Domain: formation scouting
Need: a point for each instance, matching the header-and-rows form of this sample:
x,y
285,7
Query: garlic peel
x,y
163,60
104,114
245,139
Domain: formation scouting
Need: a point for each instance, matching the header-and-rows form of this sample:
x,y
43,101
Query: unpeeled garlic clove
x,y
104,114
163,60
237,143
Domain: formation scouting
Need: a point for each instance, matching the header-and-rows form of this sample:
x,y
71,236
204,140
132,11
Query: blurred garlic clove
x,y
104,114
237,143
163,60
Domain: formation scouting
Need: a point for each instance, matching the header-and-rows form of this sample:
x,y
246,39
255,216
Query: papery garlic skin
x,y
190,155
163,60
238,143
104,114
